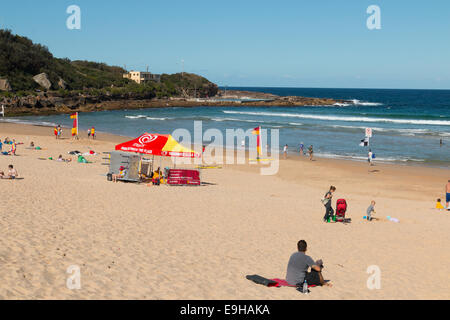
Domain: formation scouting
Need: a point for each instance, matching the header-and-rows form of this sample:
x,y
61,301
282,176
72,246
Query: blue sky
x,y
298,43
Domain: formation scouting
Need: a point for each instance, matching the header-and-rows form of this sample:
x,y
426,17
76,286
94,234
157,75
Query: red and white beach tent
x,y
157,145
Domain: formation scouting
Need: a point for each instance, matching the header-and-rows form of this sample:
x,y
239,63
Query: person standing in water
x,y
311,152
285,150
301,148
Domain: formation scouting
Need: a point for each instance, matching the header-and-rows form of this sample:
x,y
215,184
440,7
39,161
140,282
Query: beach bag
x,y
325,201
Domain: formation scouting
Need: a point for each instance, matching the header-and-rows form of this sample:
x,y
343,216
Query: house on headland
x,y
142,77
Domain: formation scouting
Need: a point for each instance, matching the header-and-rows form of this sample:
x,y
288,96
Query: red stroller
x,y
341,209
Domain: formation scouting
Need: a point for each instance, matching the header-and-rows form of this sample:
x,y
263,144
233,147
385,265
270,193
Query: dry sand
x,y
137,242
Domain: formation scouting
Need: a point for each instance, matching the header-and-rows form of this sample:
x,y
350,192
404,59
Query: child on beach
x,y
369,211
439,204
12,173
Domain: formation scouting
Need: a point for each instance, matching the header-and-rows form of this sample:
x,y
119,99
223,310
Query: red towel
x,y
284,283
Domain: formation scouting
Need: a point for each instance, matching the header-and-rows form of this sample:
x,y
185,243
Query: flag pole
x,y
260,146
78,119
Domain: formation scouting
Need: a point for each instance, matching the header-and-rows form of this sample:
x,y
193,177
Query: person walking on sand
x,y
327,199
370,157
285,151
298,265
93,132
301,148
311,152
55,132
59,132
89,133
447,194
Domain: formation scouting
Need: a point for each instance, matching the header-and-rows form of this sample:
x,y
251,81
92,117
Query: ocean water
x,y
407,124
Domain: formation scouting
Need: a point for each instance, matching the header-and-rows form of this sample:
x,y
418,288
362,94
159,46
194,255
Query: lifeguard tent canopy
x,y
157,145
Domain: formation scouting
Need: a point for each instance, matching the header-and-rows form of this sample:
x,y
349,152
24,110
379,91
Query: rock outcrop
x,y
42,80
4,85
62,84
53,103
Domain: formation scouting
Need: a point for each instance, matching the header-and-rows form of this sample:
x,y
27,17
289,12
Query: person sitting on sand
x,y
120,175
156,179
298,265
12,173
369,211
61,159
439,204
31,144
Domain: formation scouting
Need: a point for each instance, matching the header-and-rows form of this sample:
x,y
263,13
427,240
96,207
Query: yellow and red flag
x,y
74,116
257,132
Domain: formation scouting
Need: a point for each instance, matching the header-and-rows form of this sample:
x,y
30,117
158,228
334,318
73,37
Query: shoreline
x,y
110,137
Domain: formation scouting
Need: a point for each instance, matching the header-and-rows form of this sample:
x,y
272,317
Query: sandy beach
x,y
137,242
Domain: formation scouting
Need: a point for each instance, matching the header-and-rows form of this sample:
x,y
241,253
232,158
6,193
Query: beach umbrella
x,y
157,145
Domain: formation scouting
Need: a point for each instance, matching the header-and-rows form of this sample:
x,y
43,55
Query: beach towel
x,y
277,283
284,283
82,159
